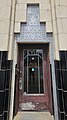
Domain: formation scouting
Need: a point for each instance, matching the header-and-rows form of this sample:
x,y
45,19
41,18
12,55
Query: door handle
x,y
20,71
20,84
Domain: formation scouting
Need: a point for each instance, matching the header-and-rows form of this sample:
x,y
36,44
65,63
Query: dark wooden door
x,y
34,77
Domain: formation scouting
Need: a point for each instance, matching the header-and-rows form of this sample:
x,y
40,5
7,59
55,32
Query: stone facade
x,y
51,12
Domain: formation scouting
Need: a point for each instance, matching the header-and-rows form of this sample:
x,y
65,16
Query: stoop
x,y
33,116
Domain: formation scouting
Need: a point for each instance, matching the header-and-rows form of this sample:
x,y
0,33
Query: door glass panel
x,y
33,74
33,71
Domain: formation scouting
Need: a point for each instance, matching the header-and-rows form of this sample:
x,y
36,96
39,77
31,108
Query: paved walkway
x,y
33,116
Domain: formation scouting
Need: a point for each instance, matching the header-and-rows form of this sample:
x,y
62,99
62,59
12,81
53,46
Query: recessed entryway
x,y
34,80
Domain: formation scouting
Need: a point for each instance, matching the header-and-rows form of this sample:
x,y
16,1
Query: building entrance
x,y
34,77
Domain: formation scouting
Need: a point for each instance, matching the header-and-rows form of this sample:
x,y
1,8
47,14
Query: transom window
x,y
33,71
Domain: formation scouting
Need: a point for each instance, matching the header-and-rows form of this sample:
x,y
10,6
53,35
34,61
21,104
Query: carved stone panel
x,y
33,30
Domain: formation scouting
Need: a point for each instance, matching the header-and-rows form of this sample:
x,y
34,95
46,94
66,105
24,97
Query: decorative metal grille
x,y
33,71
33,30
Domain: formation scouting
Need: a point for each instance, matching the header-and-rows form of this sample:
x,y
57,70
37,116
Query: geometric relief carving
x,y
33,30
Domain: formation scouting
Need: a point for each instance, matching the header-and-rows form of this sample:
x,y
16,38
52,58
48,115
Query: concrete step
x,y
52,117
33,116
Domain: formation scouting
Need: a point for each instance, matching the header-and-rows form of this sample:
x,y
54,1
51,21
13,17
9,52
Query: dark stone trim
x,y
61,84
5,80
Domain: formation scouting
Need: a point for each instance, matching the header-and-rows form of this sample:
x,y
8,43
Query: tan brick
x,y
45,1
34,1
17,27
4,42
45,6
13,13
57,2
45,15
5,13
52,3
59,25
21,1
12,28
8,2
53,13
28,1
63,2
61,11
13,3
49,27
4,25
2,3
54,27
1,27
20,16
21,7
56,46
64,23
42,15
5,3
62,41
10,57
